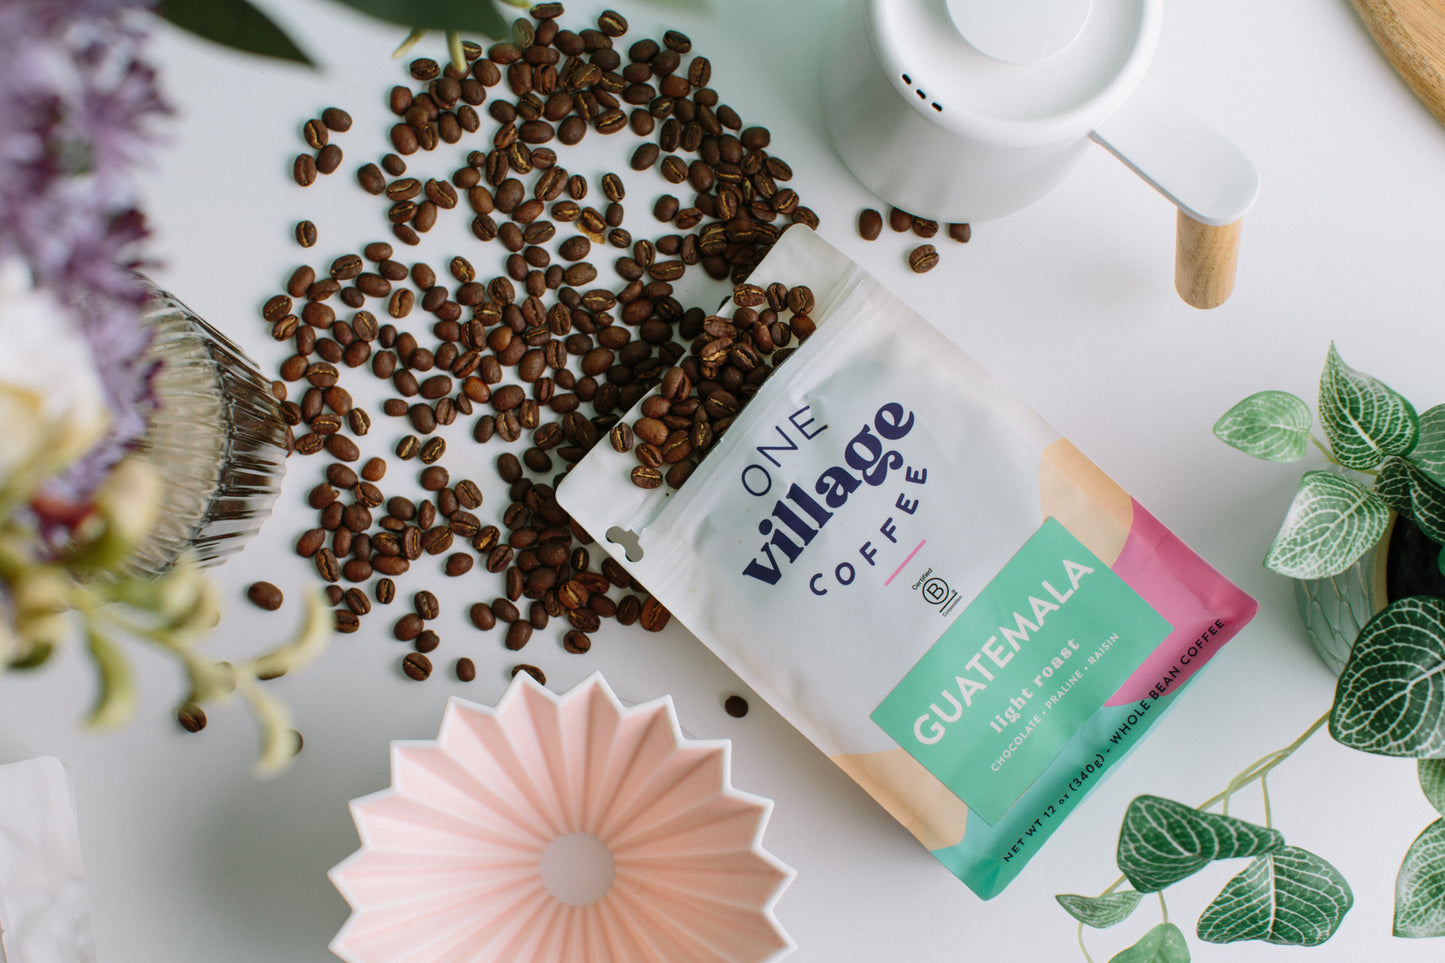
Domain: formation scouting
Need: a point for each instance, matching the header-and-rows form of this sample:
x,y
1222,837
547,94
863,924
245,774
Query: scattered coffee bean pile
x,y
540,351
922,258
728,361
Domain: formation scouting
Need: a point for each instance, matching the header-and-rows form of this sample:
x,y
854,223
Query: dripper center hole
x,y
577,869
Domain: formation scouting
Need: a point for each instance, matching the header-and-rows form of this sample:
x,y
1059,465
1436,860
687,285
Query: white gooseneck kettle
x,y
967,110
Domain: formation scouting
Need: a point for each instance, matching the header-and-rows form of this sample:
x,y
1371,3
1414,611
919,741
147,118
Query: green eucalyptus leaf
x,y
1332,521
475,16
1272,425
1099,911
1389,696
1364,419
1162,841
1393,485
233,23
1420,885
1289,897
1429,452
1163,944
1432,782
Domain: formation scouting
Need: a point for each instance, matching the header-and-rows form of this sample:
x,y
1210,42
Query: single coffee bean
x,y
265,595
481,616
416,666
654,617
870,224
425,604
328,159
385,591
315,134
922,258
924,227
408,627
735,706
899,221
191,717
357,601
465,669
426,642
960,232
336,119
303,169
519,633
457,564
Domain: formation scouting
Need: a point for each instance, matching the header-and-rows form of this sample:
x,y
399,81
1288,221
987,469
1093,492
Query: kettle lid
x,y
1015,72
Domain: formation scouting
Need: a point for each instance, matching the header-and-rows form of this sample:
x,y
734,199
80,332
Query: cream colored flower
x,y
52,407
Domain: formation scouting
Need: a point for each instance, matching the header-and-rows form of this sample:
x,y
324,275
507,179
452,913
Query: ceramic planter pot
x,y
1335,609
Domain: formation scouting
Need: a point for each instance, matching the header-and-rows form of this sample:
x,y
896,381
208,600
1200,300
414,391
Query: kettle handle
x,y
1206,175
1205,256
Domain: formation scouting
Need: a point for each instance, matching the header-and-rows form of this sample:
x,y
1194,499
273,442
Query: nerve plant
x,y
1384,458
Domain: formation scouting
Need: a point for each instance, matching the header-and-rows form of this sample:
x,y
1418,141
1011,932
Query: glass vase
x,y
217,440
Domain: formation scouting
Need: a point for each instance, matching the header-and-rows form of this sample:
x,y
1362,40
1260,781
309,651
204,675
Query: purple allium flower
x,y
76,104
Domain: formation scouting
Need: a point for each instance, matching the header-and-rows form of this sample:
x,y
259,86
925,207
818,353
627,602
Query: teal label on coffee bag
x,y
1039,651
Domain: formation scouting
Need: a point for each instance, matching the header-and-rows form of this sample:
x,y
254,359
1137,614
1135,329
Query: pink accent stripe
x,y
905,563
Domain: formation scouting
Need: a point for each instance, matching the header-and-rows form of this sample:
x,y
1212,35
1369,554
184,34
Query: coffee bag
x,y
918,572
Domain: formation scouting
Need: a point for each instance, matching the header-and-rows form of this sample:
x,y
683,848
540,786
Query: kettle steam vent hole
x,y
921,95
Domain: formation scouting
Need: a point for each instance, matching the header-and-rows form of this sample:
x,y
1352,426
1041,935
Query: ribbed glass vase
x,y
217,440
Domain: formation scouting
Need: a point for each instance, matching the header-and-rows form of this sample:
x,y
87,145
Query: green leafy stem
x,y
1152,861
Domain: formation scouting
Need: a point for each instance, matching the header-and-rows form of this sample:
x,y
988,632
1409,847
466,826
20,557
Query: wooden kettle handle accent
x,y
1205,257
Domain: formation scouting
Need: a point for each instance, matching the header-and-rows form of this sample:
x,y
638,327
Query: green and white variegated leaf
x,y
1427,503
1393,485
1429,452
1272,425
1162,841
1420,885
1364,419
1390,698
1099,911
1332,521
1163,944
1290,897
1432,782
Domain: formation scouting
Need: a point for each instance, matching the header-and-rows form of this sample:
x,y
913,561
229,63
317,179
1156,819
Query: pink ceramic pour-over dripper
x,y
561,827
968,110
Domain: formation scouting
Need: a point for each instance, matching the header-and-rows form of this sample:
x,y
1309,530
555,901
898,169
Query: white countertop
x,y
1071,301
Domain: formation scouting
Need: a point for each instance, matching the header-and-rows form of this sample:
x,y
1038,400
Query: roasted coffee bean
x,y
654,617
434,478
303,170
735,706
870,224
416,666
458,563
265,595
336,119
924,227
922,258
191,717
428,641
519,633
408,627
481,616
465,669
328,159
899,221
385,591
339,446
425,604
629,610
960,232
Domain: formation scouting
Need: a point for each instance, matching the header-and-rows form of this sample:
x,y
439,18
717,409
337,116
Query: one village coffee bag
x,y
920,574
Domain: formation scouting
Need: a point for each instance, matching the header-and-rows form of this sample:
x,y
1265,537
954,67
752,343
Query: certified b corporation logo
x,y
935,592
